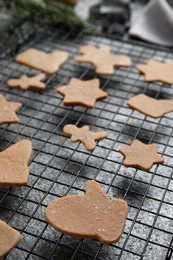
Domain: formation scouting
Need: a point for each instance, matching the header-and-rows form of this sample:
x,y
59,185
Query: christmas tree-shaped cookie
x,y
14,163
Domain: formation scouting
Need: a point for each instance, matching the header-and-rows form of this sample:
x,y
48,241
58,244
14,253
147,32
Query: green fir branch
x,y
50,12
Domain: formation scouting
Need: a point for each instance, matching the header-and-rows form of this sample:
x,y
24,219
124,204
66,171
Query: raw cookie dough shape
x,y
142,156
9,238
25,82
8,111
157,71
46,62
82,93
92,215
14,163
150,106
84,136
102,59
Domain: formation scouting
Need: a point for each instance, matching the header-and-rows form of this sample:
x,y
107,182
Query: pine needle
x,y
50,12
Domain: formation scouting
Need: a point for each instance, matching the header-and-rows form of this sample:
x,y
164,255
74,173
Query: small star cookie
x,y
84,136
8,111
82,93
142,156
102,59
157,71
150,106
46,62
9,238
93,215
25,82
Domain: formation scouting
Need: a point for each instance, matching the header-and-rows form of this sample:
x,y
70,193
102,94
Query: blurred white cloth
x,y
154,23
83,7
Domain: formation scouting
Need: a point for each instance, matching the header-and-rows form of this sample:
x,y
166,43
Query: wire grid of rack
x,y
59,168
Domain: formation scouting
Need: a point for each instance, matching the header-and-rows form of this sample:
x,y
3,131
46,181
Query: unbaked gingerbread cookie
x,y
92,215
84,135
82,93
25,82
8,111
14,163
9,238
46,62
157,71
103,60
140,155
150,106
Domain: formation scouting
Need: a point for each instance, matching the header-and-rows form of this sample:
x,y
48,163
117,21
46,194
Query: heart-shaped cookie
x,y
46,62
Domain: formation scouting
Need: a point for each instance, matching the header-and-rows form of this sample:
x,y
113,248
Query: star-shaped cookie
x,y
157,71
82,93
102,59
84,136
25,82
150,106
142,156
8,111
9,238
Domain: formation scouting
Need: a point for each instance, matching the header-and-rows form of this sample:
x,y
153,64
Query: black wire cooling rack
x,y
59,168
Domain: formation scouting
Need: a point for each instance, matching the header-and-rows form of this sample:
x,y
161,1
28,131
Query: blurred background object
x,y
151,21
154,22
113,16
110,16
21,18
68,2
